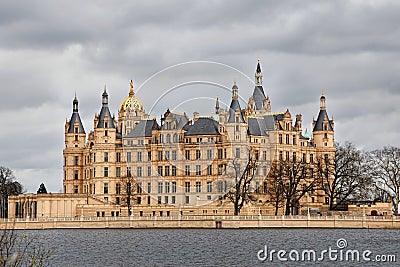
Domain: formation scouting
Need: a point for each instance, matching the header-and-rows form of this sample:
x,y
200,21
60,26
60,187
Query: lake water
x,y
214,247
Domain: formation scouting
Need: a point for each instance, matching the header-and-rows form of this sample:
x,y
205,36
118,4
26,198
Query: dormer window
x,y
105,124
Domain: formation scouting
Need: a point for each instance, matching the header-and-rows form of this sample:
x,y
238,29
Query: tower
x,y
323,127
73,152
131,111
259,104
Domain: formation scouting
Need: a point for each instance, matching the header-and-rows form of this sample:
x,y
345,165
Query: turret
x,y
323,127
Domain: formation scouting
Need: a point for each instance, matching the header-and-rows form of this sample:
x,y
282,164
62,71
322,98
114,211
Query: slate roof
x,y
203,126
259,97
319,123
232,109
103,113
261,126
144,128
75,118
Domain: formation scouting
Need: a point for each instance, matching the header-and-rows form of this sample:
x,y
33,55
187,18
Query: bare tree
x,y
8,187
240,193
385,170
275,191
344,177
293,178
19,249
130,188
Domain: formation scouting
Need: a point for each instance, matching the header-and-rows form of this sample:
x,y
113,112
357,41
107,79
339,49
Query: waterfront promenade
x,y
255,221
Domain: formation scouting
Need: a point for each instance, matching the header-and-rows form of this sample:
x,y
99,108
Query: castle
x,y
179,165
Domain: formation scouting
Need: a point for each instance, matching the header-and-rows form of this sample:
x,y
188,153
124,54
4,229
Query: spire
x,y
105,97
75,104
322,101
75,118
258,75
235,90
131,92
217,106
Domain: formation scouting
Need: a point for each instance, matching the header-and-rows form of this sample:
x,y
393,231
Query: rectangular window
x,y
94,157
76,160
220,153
160,187
173,200
118,188
209,170
149,171
173,170
139,156
209,154
139,171
209,187
198,187
294,140
76,174
167,154
158,201
149,156
105,191
237,154
187,170
129,171
294,156
264,155
287,155
128,157
280,155
167,187
173,187
287,139
198,170
105,156
311,158
174,155
187,154
187,200
105,171
166,170
118,171
117,201
76,189
280,139
166,199
220,169
256,154
149,187
160,157
118,155
139,187
94,189
220,186
160,170
187,187
198,154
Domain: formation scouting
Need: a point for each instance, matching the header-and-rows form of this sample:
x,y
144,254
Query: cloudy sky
x,y
182,56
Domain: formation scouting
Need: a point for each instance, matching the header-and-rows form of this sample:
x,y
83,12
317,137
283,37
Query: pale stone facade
x,y
181,165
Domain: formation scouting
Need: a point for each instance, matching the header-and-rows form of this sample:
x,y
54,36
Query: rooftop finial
x,y
258,74
322,100
131,92
105,96
217,106
75,104
235,90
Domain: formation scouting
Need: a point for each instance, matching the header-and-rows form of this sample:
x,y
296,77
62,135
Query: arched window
x,y
175,138
168,138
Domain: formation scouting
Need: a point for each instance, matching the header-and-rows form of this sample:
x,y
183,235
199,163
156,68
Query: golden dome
x,y
131,102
